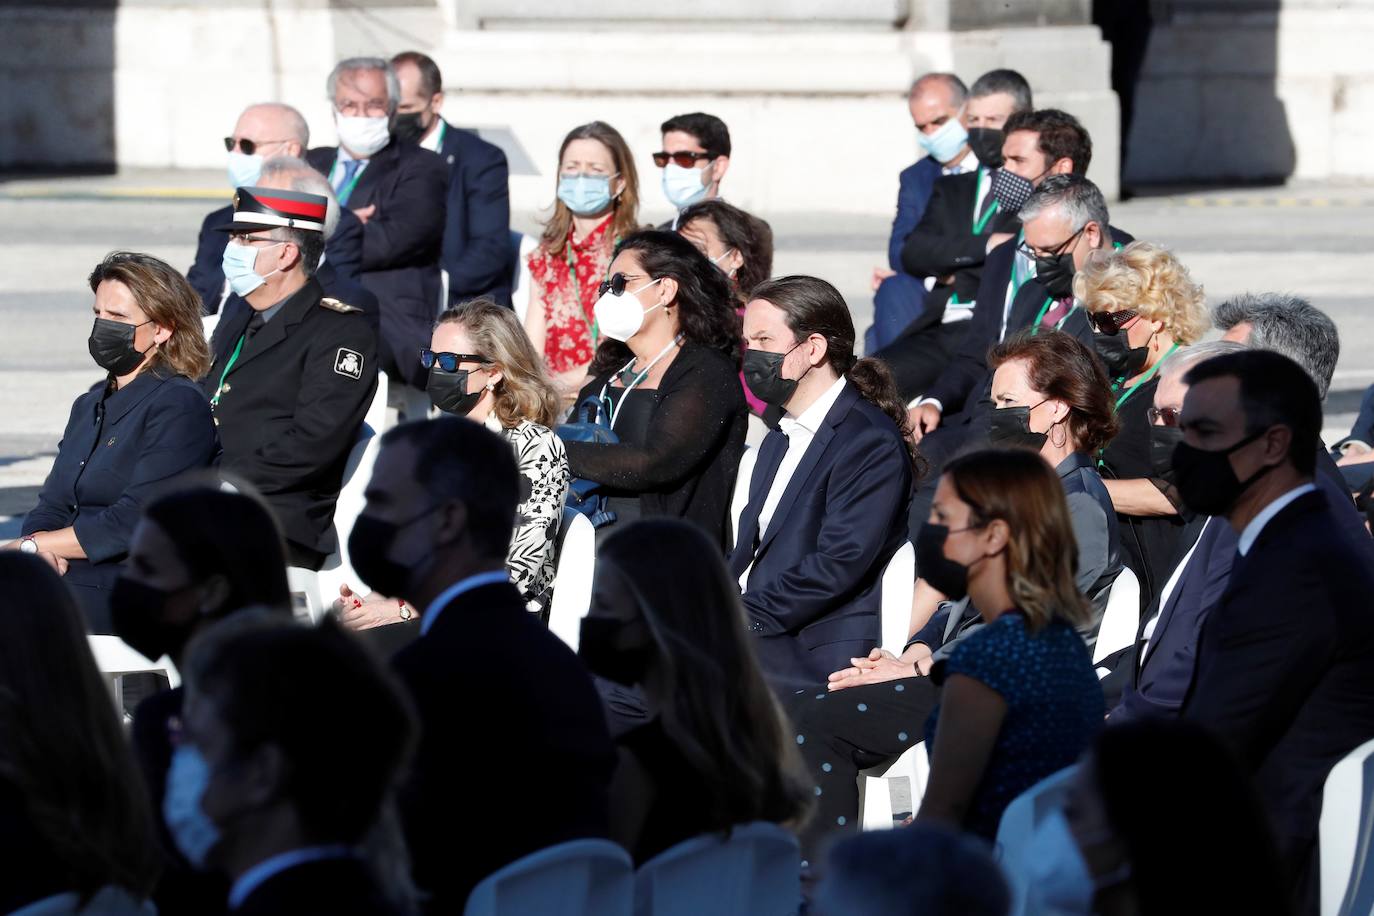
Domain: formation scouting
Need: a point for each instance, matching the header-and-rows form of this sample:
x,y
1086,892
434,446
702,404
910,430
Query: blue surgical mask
x,y
1060,883
238,268
681,186
585,195
945,143
244,170
192,830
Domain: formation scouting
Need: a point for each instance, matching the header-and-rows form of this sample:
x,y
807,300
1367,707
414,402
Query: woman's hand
x,y
365,613
878,667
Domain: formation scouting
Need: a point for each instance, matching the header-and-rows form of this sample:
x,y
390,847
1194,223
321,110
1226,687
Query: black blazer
x,y
944,242
496,692
292,407
696,437
477,248
339,887
401,242
814,594
1285,668
117,450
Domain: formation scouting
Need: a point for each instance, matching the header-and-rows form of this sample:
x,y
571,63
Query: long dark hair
x,y
62,749
813,306
718,711
705,302
744,232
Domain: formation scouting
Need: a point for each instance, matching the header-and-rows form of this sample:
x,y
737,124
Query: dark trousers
x,y
842,732
919,356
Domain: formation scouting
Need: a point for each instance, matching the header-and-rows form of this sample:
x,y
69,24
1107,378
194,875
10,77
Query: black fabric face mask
x,y
1121,359
1010,426
1163,441
407,127
597,648
944,575
1010,190
448,391
1206,482
112,346
763,375
369,552
138,616
1056,274
986,143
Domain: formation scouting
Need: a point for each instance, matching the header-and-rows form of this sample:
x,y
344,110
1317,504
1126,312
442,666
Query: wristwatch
x,y
28,545
404,608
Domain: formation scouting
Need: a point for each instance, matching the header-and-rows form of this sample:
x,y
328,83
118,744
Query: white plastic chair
x,y
755,872
520,287
108,901
1347,835
899,585
740,498
1121,619
578,878
875,794
1017,830
208,323
377,416
115,659
572,580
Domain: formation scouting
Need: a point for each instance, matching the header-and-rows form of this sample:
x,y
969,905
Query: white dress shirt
x,y
436,137
1252,530
799,431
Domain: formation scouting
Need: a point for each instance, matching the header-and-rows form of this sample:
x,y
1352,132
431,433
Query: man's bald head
x,y
275,129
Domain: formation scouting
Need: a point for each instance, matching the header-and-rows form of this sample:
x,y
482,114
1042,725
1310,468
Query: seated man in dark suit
x,y
476,255
494,688
962,222
261,132
292,740
398,191
828,496
1285,669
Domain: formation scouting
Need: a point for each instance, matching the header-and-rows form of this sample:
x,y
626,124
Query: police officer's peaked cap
x,y
268,208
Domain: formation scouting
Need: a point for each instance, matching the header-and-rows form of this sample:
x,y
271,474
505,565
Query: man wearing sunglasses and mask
x,y
694,158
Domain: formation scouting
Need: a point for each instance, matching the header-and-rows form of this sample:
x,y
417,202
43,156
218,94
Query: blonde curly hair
x,y
1149,280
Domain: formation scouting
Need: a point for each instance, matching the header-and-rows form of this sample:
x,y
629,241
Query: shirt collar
x,y
1252,530
812,417
446,597
1073,462
269,313
968,164
252,879
435,140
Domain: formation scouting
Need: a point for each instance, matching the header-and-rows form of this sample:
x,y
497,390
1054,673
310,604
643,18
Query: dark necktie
x,y
985,206
255,323
1056,313
345,188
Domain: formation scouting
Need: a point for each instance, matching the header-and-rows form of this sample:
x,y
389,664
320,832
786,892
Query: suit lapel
x,y
765,469
1029,298
366,188
227,333
274,332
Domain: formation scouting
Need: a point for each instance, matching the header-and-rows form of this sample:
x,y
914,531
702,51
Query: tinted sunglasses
x,y
1111,323
1168,416
247,147
449,361
615,285
684,159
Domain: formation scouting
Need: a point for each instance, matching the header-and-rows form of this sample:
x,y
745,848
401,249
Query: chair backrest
x,y
1121,619
899,585
756,871
1347,846
578,878
115,659
1016,831
376,417
338,569
572,581
108,901
522,245
740,498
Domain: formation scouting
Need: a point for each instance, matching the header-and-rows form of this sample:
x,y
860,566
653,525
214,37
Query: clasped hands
x,y
881,665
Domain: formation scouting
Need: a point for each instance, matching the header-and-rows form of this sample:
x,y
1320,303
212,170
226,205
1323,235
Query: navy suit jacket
x,y
116,452
914,188
1285,669
401,242
340,887
476,251
814,593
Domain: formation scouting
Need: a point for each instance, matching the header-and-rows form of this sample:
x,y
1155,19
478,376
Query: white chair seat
x,y
755,872
875,789
1121,619
579,878
572,580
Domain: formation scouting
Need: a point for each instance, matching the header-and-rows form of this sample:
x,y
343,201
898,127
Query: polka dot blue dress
x,y
1054,707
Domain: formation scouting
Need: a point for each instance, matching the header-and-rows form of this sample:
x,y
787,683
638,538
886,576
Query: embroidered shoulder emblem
x,y
349,362
336,306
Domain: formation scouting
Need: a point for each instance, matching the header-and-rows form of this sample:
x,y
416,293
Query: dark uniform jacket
x,y
291,407
477,252
339,887
401,243
118,448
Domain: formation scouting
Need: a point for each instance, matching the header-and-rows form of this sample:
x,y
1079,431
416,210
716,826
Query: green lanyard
x,y
228,367
347,190
577,285
1116,385
980,224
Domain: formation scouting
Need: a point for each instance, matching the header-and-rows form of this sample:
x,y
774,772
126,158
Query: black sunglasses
x,y
248,147
616,284
1111,323
449,361
1168,414
684,159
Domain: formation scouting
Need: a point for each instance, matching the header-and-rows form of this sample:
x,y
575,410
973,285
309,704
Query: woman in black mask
x,y
715,750
146,422
482,366
1144,308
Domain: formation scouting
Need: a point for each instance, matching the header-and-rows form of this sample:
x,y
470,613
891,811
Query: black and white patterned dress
x,y
544,479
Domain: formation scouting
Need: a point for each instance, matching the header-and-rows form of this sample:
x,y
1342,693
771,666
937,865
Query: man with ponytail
x,y
829,493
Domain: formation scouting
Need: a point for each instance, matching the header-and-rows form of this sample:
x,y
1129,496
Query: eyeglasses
x,y
684,159
1056,251
1111,323
245,237
449,362
372,108
616,284
246,146
1168,416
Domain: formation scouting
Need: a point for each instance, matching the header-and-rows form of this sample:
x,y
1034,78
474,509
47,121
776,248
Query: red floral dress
x,y
568,300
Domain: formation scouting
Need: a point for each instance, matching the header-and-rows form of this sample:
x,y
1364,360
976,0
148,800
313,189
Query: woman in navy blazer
x,y
146,423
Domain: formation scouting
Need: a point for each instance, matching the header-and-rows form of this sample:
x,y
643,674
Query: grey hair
x,y
1188,357
294,122
358,64
958,92
1287,324
1077,197
1005,81
308,181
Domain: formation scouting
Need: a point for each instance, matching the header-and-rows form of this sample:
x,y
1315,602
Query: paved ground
x,y
1312,240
